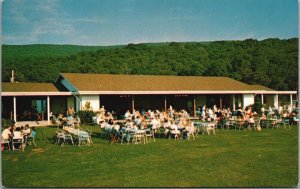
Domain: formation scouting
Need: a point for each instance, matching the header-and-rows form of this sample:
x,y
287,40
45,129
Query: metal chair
x,y
83,139
90,135
149,133
31,138
17,144
61,136
6,142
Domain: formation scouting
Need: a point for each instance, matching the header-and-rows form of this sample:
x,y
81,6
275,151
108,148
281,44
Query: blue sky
x,y
113,22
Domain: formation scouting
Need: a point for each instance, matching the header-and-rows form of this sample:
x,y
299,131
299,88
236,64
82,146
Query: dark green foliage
x,y
257,105
271,62
5,123
86,116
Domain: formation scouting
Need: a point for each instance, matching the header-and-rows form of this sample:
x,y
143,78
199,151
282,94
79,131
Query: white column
x,y
233,103
99,102
165,103
276,101
262,99
15,109
132,102
48,109
291,99
194,105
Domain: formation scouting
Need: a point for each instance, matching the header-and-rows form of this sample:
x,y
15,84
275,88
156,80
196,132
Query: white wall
x,y
248,99
93,99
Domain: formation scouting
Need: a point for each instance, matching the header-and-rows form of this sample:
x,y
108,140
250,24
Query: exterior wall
x,y
248,99
70,102
93,99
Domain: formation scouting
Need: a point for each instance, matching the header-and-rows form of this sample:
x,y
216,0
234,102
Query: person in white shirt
x,y
155,122
127,115
27,130
6,133
17,133
128,124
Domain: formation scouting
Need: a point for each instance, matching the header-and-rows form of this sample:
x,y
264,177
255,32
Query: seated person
x,y
6,134
33,133
18,137
27,130
102,124
138,121
155,122
263,116
128,124
135,128
17,133
174,129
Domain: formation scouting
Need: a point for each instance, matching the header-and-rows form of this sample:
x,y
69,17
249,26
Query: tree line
x,y
271,62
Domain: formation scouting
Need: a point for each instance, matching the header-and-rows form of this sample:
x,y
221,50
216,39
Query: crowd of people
x,y
16,137
176,120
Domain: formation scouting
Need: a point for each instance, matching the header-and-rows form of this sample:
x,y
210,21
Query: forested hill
x,y
270,62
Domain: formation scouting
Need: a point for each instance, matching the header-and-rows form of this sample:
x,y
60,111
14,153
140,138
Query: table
x,y
75,131
82,135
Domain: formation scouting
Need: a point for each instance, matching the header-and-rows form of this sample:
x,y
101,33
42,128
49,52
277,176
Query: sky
x,y
115,22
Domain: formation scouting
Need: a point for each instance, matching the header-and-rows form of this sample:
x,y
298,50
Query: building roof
x,y
114,82
261,87
28,87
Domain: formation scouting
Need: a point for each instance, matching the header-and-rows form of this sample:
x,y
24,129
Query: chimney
x,y
12,79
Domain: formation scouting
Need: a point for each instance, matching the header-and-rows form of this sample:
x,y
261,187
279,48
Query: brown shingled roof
x,y
28,87
114,82
260,87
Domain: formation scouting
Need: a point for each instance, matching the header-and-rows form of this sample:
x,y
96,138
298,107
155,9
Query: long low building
x,y
118,93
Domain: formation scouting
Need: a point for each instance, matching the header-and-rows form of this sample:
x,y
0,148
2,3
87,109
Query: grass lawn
x,y
228,159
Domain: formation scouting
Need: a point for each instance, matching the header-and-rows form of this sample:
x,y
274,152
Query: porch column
x,y
132,102
276,101
99,102
15,109
48,109
233,103
165,103
262,99
291,99
194,106
220,102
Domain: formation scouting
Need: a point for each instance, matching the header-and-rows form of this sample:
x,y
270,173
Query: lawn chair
x,y
149,133
138,137
286,122
83,139
5,144
61,136
31,138
210,127
90,135
17,144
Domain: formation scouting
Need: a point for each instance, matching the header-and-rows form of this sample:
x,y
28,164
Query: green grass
x,y
228,159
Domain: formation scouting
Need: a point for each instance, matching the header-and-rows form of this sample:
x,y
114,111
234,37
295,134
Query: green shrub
x,y
5,123
86,116
257,106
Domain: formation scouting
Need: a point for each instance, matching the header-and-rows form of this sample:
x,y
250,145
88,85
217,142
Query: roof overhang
x,y
179,92
36,94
